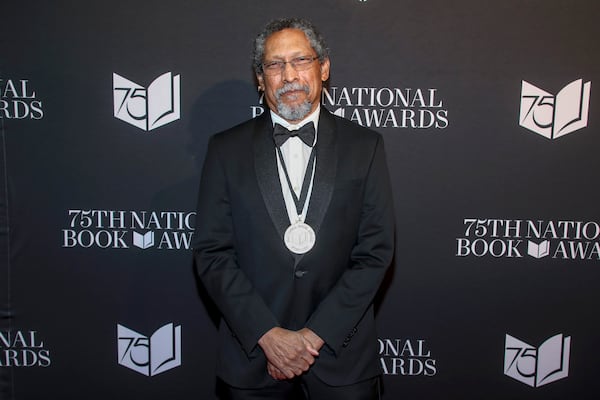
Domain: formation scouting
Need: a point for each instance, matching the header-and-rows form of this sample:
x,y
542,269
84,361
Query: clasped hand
x,y
289,353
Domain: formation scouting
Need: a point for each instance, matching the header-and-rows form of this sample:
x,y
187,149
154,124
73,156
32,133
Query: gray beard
x,y
292,113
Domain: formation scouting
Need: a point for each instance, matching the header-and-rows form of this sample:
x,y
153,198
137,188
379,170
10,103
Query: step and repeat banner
x,y
492,135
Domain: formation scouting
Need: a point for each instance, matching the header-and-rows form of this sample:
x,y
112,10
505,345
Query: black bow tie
x,y
306,133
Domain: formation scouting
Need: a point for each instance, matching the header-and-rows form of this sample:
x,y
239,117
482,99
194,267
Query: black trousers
x,y
305,387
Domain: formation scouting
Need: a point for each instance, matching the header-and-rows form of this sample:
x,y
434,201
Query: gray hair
x,y
315,39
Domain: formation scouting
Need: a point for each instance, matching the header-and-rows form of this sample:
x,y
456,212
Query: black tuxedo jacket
x,y
257,283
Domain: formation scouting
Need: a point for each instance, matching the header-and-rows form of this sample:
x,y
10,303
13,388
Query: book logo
x,y
150,356
149,108
537,367
340,112
555,116
143,241
538,250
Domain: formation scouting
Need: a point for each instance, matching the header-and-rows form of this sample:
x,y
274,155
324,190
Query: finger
x,y
275,372
309,360
310,347
276,375
280,376
312,351
289,374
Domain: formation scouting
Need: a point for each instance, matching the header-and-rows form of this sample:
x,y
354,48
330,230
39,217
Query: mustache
x,y
288,87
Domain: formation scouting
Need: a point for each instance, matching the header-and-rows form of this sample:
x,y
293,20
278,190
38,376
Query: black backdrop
x,y
498,225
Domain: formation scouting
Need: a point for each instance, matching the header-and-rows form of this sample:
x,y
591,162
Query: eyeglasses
x,y
301,63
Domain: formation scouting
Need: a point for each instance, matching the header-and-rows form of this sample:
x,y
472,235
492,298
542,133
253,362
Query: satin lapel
x,y
325,172
265,165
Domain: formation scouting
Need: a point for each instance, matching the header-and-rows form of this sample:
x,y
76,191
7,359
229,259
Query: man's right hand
x,y
288,351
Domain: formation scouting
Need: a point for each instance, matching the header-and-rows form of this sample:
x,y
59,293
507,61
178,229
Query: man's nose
x,y
289,72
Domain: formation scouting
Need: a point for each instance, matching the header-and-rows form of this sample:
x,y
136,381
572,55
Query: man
x,y
294,234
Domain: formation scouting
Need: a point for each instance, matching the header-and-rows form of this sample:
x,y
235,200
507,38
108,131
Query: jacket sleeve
x,y
354,292
215,258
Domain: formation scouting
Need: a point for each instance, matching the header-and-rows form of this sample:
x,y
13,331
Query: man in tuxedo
x,y
295,231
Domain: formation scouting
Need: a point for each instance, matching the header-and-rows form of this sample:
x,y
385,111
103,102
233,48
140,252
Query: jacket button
x,y
300,273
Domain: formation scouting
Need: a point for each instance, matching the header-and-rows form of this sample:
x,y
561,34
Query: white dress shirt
x,y
295,155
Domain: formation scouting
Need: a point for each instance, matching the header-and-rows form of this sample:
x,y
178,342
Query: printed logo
x,y
144,241
19,101
23,349
383,107
388,107
119,229
538,250
150,355
555,116
406,357
516,238
537,367
150,108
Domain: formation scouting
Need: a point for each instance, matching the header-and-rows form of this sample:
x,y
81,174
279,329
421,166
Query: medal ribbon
x,y
299,202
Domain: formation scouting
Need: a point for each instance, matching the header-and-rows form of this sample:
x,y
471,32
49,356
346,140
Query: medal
x,y
299,238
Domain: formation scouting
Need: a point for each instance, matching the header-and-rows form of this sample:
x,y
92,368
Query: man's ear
x,y
325,65
261,82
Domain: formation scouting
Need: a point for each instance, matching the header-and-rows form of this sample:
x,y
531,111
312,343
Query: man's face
x,y
292,94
